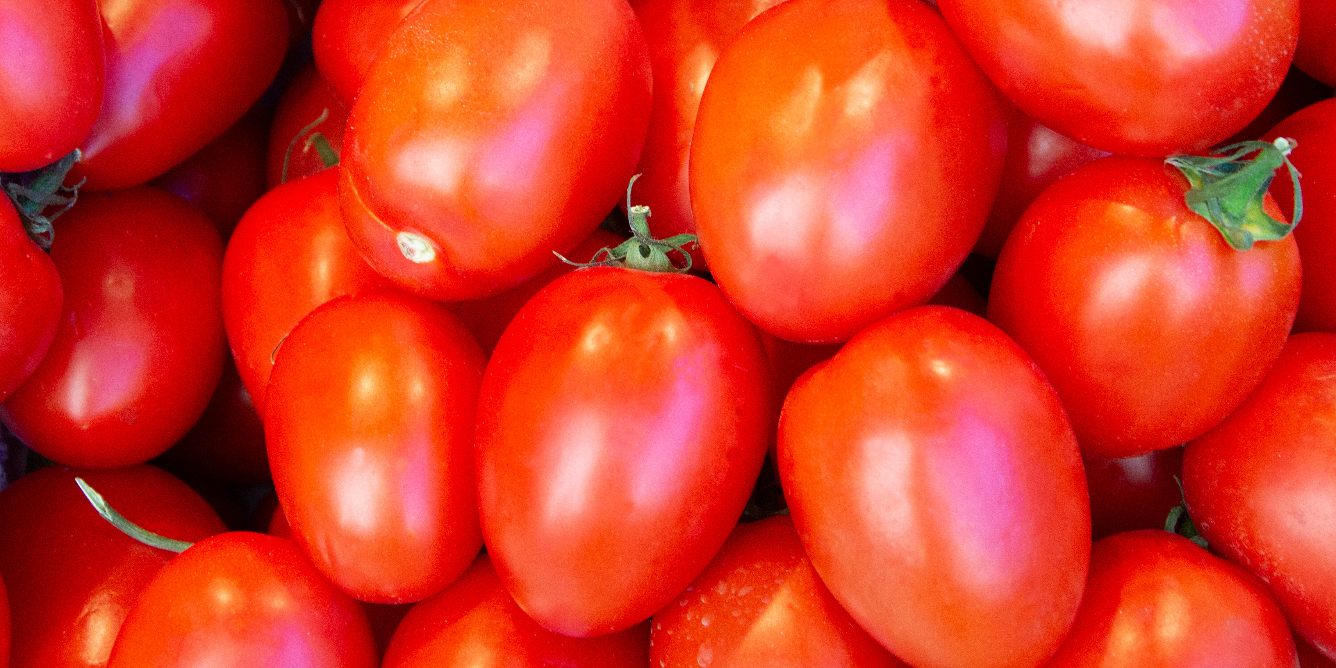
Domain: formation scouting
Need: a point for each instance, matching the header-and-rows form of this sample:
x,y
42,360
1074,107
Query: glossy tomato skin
x,y
1314,128
179,73
523,143
849,147
370,432
51,70
348,34
475,622
1157,600
71,576
224,178
1249,480
289,254
1316,54
1149,325
760,603
932,441
621,426
1139,77
243,599
1134,492
30,302
307,97
140,344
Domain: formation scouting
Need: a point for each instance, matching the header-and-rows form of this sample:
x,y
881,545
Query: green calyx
x,y
642,251
309,139
1228,189
112,516
1180,522
41,196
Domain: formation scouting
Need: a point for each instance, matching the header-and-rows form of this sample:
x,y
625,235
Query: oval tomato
x,y
843,163
348,34
933,442
1142,77
140,345
30,302
622,421
488,136
1314,128
1316,54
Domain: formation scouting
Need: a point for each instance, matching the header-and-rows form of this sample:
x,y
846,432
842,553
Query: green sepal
x,y
642,251
1228,190
125,526
312,139
41,196
1180,522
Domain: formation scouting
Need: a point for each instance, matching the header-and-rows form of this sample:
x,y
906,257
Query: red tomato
x,y
1151,327
835,175
348,34
369,423
288,255
760,603
224,178
475,622
1316,54
179,73
1143,77
71,576
621,426
489,135
51,70
1157,600
307,98
30,301
140,345
1259,485
1314,128
932,442
1134,492
243,599
227,443
1298,91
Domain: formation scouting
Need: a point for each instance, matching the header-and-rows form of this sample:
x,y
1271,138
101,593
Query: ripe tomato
x,y
760,603
71,576
243,599
348,34
307,98
140,345
621,426
834,175
369,421
1316,54
1151,327
1259,485
51,71
487,136
1134,492
224,178
1157,600
30,301
1142,77
933,442
474,622
1314,128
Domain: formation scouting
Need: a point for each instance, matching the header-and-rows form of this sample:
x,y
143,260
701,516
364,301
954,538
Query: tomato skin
x,y
1135,492
71,576
30,302
243,599
224,178
1149,325
140,344
622,421
348,34
179,73
289,254
1316,54
760,603
1314,128
1139,77
1248,480
475,622
1157,600
828,165
51,72
306,97
500,163
929,421
370,432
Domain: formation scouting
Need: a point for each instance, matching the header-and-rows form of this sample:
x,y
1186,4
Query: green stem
x,y
328,155
35,194
1180,522
642,251
125,525
1229,189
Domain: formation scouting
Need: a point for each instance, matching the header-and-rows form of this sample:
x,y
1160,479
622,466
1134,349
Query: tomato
x,y
760,603
243,599
30,302
475,622
1311,658
307,98
179,73
348,34
1316,54
488,136
1259,484
1151,327
224,178
369,420
71,576
933,442
227,443
1134,492
1143,77
832,150
1156,600
51,71
289,254
140,344
621,426
1314,128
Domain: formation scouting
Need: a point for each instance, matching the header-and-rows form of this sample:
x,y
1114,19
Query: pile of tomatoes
x,y
670,332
